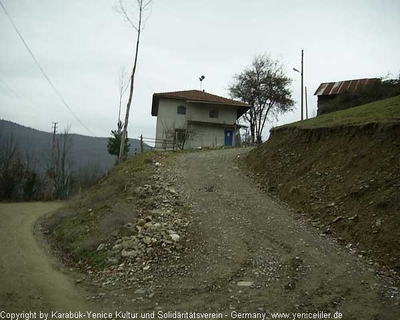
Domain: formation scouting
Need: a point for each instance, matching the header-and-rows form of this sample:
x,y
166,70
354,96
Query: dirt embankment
x,y
344,179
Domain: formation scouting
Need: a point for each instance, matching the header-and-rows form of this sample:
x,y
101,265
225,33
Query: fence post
x,y
141,143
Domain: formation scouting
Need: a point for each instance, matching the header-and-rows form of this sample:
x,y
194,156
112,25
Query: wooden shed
x,y
327,91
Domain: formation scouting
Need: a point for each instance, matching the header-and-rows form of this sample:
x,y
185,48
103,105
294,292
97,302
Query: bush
x,y
378,90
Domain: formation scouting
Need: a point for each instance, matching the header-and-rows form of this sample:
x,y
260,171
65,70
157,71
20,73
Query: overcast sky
x,y
82,44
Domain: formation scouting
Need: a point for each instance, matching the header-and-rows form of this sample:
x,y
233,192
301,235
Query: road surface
x,y
248,253
30,279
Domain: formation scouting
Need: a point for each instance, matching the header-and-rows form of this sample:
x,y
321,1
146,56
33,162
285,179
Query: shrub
x,y
378,90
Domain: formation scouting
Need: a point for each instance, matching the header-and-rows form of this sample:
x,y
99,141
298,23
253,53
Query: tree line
x,y
26,175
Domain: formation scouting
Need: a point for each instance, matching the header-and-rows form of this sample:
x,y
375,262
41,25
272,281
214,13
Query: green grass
x,y
387,110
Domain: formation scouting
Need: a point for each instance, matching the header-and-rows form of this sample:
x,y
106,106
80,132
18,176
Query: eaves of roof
x,y
332,88
197,96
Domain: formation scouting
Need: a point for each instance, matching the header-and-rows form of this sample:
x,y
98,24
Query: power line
x,y
17,95
10,90
44,73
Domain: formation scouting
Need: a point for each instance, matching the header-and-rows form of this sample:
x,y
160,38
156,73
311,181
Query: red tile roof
x,y
194,96
331,88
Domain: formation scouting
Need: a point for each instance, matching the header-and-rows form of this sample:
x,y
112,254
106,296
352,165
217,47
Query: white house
x,y
193,119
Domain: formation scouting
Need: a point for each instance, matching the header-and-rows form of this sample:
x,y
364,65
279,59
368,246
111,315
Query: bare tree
x,y
18,181
122,87
33,181
11,167
138,25
246,138
64,165
177,135
265,87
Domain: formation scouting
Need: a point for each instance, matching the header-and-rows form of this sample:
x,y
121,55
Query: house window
x,y
181,110
180,135
213,113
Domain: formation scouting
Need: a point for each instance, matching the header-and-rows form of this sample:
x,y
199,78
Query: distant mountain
x,y
84,149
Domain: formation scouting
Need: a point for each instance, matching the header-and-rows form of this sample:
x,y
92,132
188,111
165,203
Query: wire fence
x,y
161,144
178,144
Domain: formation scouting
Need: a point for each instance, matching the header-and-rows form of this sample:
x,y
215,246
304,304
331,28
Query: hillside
x,y
382,111
189,231
84,149
341,171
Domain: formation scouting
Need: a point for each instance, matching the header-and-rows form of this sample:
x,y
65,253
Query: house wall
x,y
322,102
204,136
201,112
168,118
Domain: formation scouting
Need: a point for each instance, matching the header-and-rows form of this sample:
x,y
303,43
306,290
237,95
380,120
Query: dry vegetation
x,y
99,214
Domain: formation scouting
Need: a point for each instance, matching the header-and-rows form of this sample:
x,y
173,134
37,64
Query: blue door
x,y
228,137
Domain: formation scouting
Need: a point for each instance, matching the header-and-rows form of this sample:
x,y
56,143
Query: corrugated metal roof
x,y
331,88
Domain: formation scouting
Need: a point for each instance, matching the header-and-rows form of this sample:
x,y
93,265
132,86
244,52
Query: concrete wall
x,y
168,118
206,136
201,112
203,136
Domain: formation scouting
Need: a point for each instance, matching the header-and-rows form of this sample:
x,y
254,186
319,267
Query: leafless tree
x,y
265,87
246,138
122,87
137,21
11,168
64,165
177,135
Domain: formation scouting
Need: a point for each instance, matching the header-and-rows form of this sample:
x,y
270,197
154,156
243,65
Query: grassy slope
x,y
98,215
342,172
387,110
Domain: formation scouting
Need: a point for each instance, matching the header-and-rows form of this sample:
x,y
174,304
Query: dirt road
x,y
29,280
250,253
246,253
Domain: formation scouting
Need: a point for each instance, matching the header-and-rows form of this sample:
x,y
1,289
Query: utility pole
x,y
305,88
302,93
50,187
302,85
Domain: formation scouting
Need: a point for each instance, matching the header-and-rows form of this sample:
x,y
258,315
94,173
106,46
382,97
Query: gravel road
x,y
251,253
246,253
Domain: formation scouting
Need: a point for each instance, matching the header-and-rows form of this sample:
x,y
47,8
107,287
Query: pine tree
x,y
114,142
